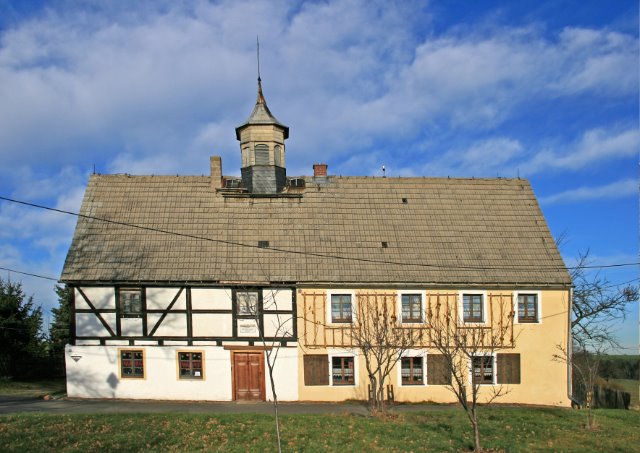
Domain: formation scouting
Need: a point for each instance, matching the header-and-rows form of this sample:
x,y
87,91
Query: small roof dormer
x,y
262,149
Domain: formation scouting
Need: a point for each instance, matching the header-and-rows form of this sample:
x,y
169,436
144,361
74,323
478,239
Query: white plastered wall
x,y
285,374
94,372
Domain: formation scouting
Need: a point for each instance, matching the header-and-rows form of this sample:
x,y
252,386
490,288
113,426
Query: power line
x,y
314,254
29,274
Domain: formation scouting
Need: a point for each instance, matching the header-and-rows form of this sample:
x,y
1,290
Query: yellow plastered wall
x,y
543,379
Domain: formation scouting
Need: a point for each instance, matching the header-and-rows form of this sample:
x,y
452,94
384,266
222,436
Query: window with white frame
x,y
411,308
341,308
482,371
343,370
473,307
528,310
412,370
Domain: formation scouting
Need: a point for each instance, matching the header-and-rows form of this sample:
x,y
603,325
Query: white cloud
x,y
127,84
594,146
485,158
618,189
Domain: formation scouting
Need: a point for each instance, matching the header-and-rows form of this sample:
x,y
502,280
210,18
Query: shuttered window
x,y
277,155
262,155
508,368
316,369
438,372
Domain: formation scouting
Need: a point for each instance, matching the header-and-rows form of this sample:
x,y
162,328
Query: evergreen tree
x,y
21,338
59,330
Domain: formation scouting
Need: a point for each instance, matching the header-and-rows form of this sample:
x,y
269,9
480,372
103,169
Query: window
x,y
190,365
482,369
342,371
277,155
527,308
411,370
132,363
262,155
341,308
247,303
438,370
316,369
130,302
472,308
411,308
508,368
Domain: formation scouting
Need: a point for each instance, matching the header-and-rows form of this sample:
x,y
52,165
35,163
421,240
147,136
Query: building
x,y
180,283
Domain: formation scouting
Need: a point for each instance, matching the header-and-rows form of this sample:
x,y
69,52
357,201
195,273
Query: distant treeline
x,y
620,367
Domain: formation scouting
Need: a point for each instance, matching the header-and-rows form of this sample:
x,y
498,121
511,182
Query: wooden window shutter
x,y
316,369
508,368
438,372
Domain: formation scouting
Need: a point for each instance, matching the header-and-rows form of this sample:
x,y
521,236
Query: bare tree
x,y
597,306
586,369
468,352
281,327
381,341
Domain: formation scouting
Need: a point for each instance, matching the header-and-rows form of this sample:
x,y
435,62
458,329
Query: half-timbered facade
x,y
182,283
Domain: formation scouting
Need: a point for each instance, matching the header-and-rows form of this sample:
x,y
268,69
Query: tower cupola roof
x,y
261,115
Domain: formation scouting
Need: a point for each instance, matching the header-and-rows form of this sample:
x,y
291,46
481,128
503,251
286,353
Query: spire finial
x,y
258,52
260,99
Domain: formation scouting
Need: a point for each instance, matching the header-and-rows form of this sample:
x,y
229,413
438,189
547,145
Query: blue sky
x,y
544,90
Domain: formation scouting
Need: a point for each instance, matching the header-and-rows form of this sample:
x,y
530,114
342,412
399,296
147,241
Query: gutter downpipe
x,y
570,352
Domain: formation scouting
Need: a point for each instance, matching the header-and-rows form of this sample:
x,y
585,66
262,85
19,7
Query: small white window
x,y
527,307
473,307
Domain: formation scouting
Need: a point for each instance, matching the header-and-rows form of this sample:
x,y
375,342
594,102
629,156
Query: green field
x,y
503,429
631,386
33,388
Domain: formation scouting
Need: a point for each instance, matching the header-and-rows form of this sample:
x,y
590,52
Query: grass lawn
x,y
507,429
33,388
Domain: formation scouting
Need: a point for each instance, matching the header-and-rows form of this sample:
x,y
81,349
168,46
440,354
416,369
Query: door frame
x,y
256,351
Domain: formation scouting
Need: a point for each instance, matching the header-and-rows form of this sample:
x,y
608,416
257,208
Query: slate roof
x,y
262,115
449,232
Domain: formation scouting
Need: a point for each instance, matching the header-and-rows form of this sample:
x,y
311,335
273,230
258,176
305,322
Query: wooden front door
x,y
248,376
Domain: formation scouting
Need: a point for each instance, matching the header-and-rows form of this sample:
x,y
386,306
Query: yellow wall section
x,y
543,379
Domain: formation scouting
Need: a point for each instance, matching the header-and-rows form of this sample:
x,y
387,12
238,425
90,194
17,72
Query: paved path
x,y
9,405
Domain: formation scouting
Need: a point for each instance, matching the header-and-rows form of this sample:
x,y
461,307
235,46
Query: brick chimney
x,y
216,172
319,170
